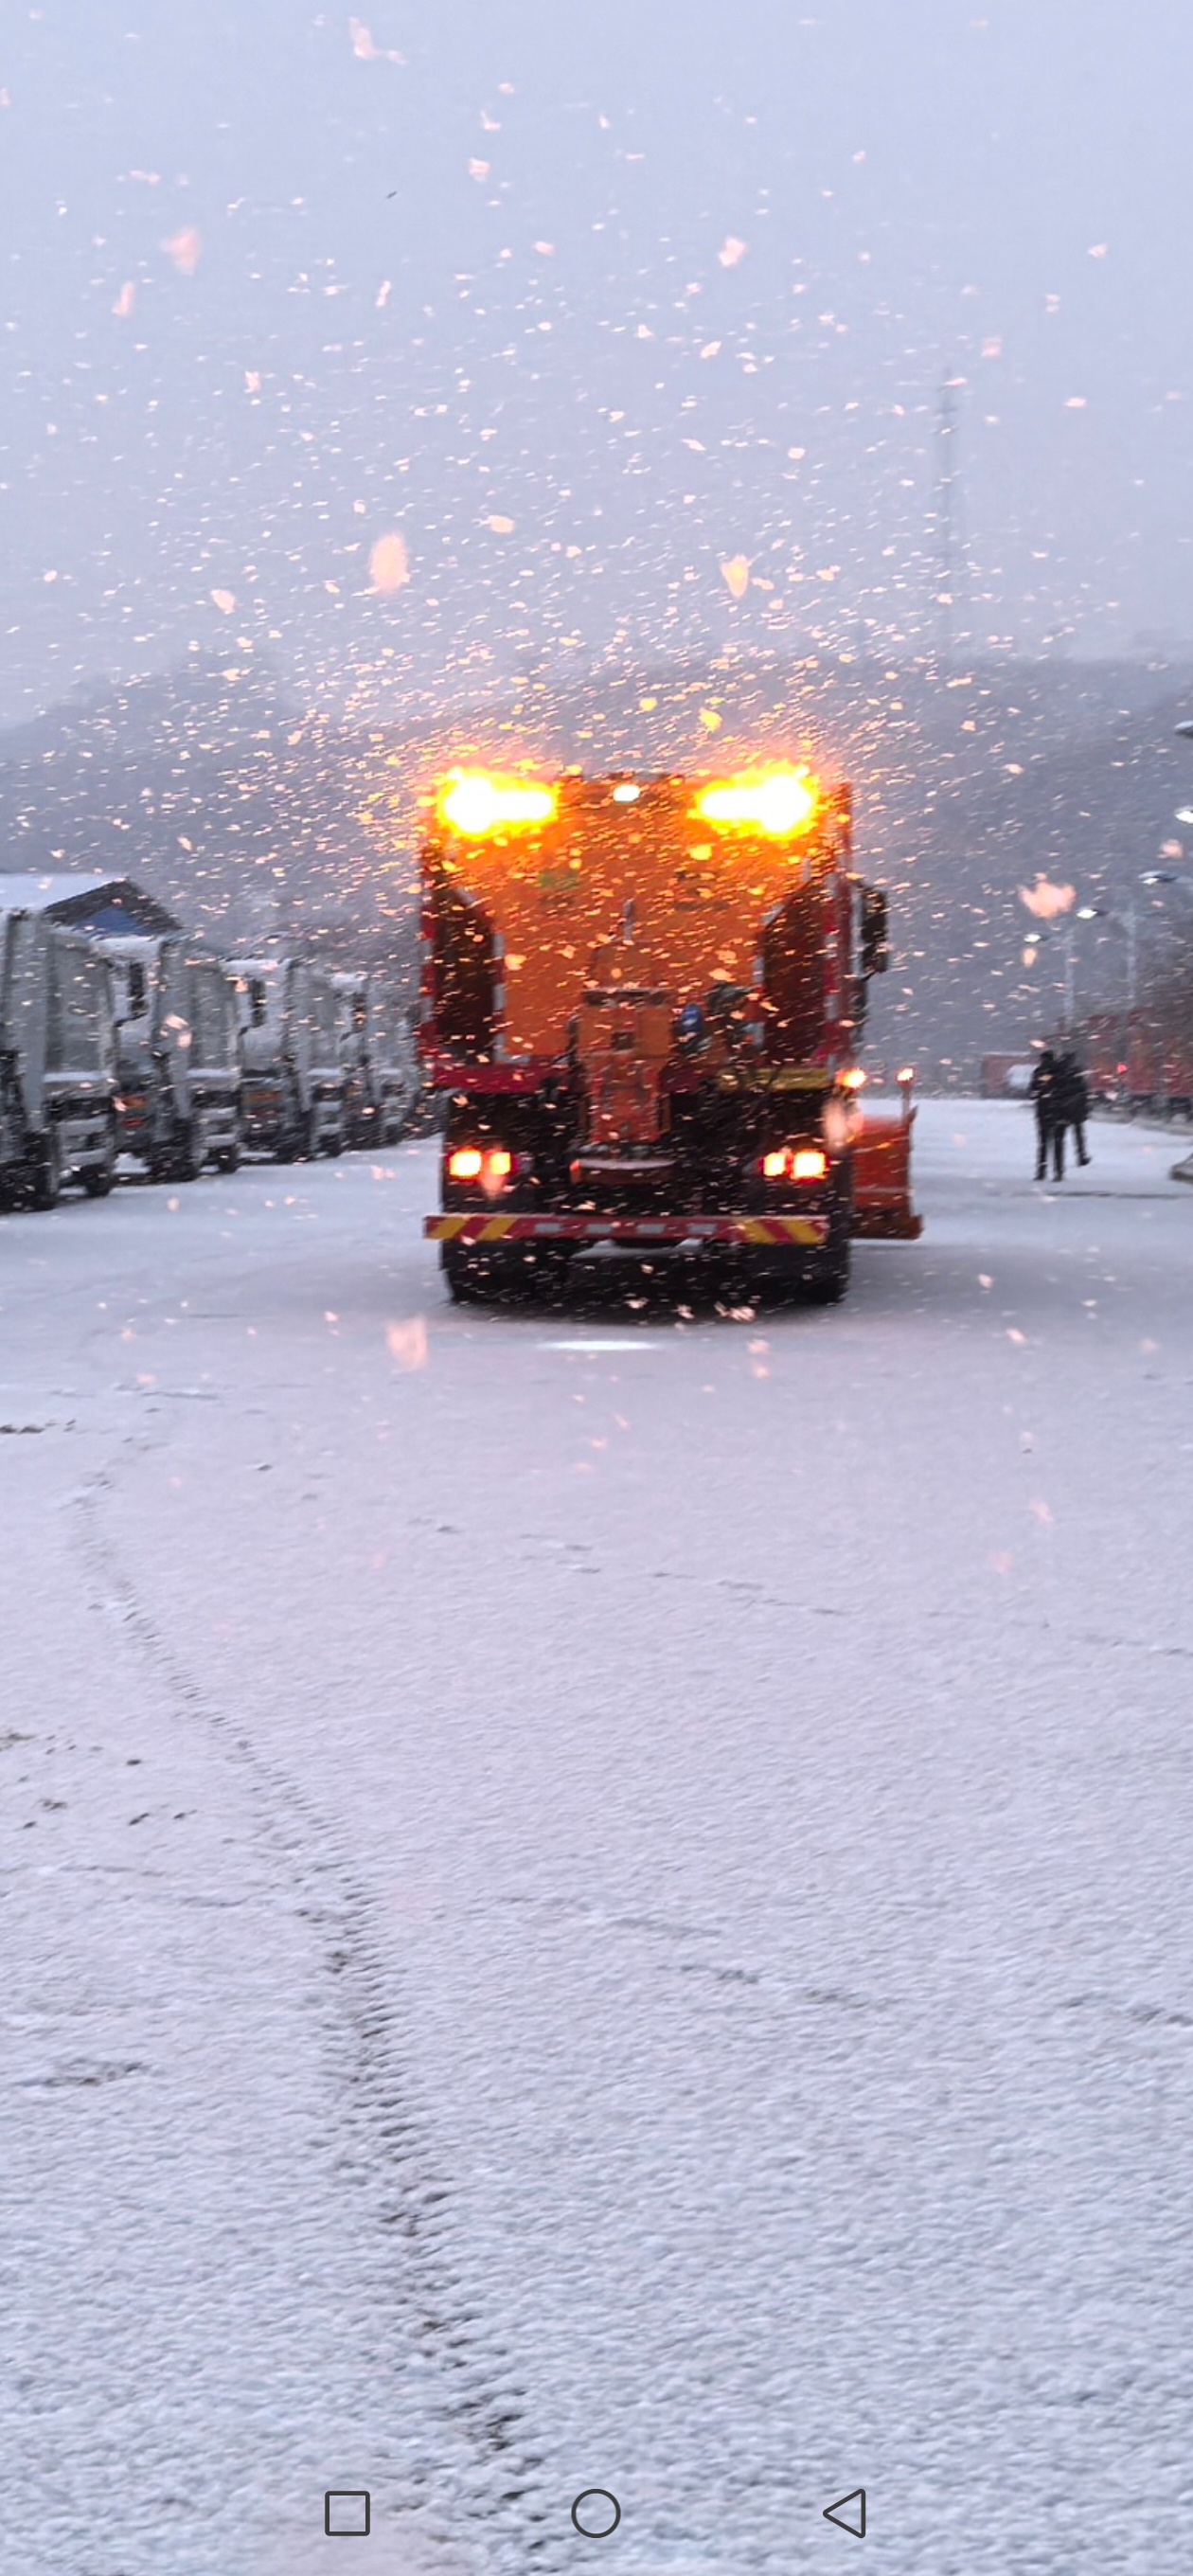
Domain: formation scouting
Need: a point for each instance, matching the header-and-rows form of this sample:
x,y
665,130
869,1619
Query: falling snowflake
x,y
389,564
365,48
1047,901
185,248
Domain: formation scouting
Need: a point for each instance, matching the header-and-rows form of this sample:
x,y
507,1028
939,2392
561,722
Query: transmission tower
x,y
946,529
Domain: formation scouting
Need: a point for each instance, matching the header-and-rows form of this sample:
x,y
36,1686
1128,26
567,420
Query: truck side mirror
x,y
876,953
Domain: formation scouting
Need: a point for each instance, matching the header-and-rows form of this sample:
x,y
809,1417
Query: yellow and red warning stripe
x,y
809,1231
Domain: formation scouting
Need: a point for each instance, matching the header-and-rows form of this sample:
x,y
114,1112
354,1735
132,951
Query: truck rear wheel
x,y
189,1154
47,1173
480,1279
833,1284
469,1282
829,1291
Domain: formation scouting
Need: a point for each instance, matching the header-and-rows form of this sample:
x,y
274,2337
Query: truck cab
x,y
294,1101
382,1077
178,1056
57,1063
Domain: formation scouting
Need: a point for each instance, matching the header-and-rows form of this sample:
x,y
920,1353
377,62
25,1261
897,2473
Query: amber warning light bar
x,y
779,802
474,804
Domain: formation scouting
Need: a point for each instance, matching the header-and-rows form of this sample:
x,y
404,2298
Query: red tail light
x,y
490,1166
794,1163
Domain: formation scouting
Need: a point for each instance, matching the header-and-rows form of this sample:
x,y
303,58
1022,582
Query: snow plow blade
x,y
882,1177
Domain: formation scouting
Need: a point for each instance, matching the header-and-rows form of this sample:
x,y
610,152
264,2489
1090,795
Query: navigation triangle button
x,y
838,2513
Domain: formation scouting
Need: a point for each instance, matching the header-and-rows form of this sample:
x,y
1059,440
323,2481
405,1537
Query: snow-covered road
x,y
598,1900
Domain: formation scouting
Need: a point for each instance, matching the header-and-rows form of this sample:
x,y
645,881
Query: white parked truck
x,y
293,1102
57,1063
178,1054
382,1073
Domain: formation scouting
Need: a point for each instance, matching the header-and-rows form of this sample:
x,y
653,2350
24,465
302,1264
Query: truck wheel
x,y
294,1143
545,1277
469,1282
100,1178
228,1159
189,1154
833,1284
47,1173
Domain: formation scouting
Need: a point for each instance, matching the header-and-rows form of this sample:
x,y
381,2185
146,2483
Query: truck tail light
x,y
794,1163
491,1166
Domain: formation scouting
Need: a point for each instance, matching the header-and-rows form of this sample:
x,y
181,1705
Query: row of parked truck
x,y
154,1047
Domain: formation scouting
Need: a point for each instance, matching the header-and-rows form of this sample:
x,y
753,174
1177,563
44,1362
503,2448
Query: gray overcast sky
x,y
670,286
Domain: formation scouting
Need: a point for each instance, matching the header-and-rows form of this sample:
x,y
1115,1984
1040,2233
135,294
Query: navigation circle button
x,y
602,2513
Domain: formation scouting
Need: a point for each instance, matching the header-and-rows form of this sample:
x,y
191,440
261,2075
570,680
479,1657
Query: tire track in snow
x,y
488,2471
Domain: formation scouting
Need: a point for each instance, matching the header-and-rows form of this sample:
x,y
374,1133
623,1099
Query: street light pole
x,y
1126,920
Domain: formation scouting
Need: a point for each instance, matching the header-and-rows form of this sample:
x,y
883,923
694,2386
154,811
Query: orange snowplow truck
x,y
643,998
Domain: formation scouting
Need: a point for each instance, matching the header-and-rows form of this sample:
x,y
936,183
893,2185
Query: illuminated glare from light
x,y
474,804
780,804
626,794
490,1165
795,1163
855,1079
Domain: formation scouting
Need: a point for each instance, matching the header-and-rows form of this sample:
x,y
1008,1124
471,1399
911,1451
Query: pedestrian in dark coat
x,y
1045,1090
1073,1101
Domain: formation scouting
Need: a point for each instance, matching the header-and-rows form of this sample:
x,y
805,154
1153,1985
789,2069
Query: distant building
x,y
109,907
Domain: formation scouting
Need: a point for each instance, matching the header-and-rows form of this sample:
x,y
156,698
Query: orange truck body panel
x,y
694,899
607,969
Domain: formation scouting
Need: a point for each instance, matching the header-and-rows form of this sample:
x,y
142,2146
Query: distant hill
x,y
250,815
